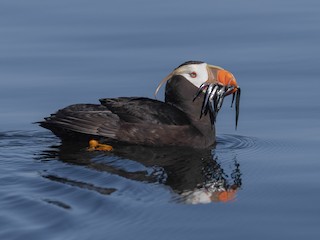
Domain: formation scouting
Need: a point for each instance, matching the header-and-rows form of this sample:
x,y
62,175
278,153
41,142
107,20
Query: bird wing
x,y
132,120
81,118
145,110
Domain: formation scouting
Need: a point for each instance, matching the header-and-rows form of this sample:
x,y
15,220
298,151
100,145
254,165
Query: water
x,y
56,53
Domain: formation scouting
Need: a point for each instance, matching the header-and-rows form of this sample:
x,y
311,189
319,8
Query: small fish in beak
x,y
220,84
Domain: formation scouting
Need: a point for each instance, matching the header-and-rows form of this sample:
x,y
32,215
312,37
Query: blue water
x,y
56,53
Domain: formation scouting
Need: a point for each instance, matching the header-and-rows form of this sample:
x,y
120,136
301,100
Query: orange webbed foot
x,y
94,145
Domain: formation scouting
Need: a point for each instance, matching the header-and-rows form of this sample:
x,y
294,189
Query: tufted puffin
x,y
194,94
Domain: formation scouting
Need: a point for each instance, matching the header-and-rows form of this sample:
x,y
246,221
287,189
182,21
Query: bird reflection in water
x,y
194,175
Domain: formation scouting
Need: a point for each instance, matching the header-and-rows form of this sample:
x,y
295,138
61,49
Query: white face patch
x,y
194,73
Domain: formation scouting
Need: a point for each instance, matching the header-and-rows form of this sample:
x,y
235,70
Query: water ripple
x,y
251,145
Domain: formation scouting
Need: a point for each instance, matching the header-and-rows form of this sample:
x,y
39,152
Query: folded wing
x,y
133,120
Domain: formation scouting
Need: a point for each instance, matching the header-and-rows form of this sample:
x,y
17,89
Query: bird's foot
x,y
94,145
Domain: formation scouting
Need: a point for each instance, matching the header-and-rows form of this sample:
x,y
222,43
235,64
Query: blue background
x,y
56,53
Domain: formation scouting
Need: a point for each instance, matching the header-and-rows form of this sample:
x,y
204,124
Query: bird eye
x,y
193,74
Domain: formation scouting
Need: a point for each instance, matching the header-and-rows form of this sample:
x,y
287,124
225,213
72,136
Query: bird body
x,y
143,121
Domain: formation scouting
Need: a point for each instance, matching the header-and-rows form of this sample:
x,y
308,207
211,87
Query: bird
x,y
194,94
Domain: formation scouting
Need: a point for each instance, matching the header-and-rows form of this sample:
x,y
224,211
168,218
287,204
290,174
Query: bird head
x,y
213,84
199,73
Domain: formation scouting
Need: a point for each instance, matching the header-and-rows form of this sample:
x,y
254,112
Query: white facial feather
x,y
200,70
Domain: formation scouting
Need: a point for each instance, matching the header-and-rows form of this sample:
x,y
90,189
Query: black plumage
x,y
188,63
136,120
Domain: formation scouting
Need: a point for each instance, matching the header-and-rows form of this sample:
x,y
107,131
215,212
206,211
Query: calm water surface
x,y
261,181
